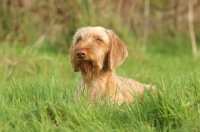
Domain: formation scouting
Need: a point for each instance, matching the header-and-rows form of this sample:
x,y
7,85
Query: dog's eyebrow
x,y
88,35
78,38
98,36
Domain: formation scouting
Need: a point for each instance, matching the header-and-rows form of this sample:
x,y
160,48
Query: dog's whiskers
x,y
97,60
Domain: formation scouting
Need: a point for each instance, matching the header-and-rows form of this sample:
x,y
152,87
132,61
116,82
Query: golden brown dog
x,y
96,52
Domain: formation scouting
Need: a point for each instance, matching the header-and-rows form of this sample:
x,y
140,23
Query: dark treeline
x,y
55,21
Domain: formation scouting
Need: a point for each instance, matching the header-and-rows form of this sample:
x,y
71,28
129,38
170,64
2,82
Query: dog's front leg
x,y
79,92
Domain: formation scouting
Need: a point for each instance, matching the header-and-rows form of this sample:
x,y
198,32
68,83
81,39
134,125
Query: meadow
x,y
37,87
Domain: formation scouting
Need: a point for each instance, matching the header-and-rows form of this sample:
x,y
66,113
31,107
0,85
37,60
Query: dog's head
x,y
95,48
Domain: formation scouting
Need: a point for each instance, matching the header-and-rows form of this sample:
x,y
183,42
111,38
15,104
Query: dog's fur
x,y
96,52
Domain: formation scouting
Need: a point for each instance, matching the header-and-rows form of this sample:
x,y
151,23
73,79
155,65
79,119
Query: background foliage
x,y
31,22
37,82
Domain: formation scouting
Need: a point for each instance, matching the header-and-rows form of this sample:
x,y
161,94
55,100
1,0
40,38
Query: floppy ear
x,y
118,51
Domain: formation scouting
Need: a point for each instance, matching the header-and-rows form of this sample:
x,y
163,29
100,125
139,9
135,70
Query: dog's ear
x,y
117,52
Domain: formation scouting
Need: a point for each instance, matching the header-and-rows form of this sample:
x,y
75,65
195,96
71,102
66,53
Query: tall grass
x,y
37,88
37,83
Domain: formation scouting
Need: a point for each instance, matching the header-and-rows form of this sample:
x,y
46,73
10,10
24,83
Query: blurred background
x,y
165,26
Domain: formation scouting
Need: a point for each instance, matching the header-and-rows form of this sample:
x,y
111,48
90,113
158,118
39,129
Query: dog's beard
x,y
87,67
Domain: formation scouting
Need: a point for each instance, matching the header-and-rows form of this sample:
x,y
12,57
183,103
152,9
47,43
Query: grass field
x,y
37,88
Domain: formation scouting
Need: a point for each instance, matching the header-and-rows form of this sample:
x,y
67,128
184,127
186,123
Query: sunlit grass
x,y
37,88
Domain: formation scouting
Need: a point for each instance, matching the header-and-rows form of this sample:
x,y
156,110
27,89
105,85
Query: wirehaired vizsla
x,y
96,52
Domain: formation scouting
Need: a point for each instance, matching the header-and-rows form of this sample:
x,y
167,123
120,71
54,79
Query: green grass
x,y
37,88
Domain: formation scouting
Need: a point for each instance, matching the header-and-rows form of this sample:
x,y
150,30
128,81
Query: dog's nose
x,y
81,53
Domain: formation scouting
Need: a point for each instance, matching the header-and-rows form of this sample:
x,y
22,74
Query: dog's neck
x,y
97,83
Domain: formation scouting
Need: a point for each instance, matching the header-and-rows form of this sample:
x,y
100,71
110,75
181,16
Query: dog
x,y
96,52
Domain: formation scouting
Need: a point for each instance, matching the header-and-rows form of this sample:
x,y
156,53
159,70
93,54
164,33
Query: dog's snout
x,y
81,53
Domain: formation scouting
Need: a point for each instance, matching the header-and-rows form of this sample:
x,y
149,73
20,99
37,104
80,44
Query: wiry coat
x,y
96,52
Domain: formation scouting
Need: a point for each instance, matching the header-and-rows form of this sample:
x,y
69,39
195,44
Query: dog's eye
x,y
79,39
99,40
